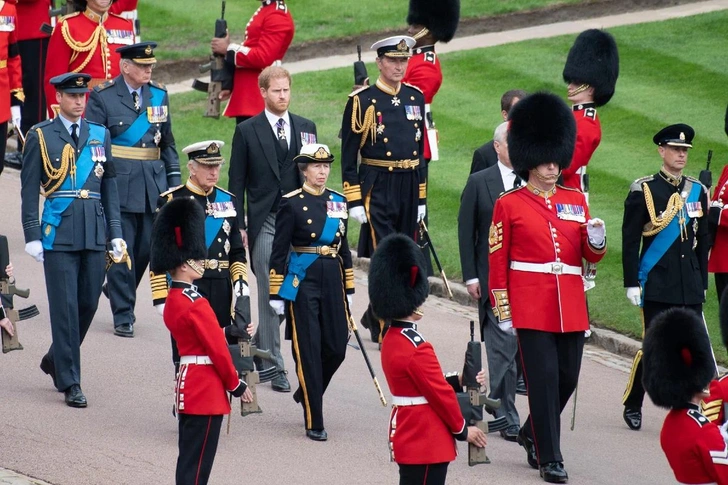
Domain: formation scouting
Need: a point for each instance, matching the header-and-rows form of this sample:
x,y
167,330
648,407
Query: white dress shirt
x,y
273,120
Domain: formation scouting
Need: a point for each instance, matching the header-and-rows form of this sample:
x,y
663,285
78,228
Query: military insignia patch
x,y
227,246
191,294
430,57
495,237
226,227
413,336
698,417
590,113
99,170
94,142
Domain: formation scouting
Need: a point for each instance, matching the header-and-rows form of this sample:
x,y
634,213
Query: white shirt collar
x,y
273,119
507,175
67,123
131,89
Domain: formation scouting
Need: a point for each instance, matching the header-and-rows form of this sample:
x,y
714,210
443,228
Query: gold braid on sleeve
x,y
97,38
368,126
56,176
658,223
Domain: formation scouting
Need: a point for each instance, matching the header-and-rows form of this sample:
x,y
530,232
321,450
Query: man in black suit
x,y
262,168
474,219
485,156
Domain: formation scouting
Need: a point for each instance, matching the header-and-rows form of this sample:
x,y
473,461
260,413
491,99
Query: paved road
x,y
127,435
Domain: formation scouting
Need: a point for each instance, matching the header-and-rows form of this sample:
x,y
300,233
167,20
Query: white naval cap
x,y
205,152
396,46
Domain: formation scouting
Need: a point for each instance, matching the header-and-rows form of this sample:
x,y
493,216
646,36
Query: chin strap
x,y
421,33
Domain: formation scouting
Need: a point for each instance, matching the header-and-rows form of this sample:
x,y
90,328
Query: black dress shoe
x,y
124,330
633,418
47,366
280,383
75,397
554,472
105,290
298,395
530,447
511,432
317,434
521,387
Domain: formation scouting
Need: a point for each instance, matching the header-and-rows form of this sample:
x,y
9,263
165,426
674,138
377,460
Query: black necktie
x,y
281,133
518,181
137,104
74,133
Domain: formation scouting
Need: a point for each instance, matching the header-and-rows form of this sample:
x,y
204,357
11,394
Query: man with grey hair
x,y
476,212
135,109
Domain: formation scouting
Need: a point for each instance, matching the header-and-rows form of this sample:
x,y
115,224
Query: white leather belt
x,y
408,401
549,268
195,359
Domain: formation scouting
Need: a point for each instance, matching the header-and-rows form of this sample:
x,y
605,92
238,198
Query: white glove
x,y
358,214
241,289
278,306
421,212
597,232
350,299
634,295
15,116
724,431
507,326
118,245
35,249
160,308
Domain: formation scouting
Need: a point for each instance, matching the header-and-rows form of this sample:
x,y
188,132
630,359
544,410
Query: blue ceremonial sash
x,y
213,224
299,262
53,208
141,125
663,241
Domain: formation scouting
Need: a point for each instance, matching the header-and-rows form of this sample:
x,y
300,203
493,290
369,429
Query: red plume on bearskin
x,y
178,234
441,17
594,60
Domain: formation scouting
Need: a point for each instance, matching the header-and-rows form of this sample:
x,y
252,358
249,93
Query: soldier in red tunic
x,y
539,236
87,41
11,79
426,418
267,37
677,367
591,71
206,369
713,406
718,223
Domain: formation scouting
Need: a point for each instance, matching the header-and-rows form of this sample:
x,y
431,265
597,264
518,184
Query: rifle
x,y
57,13
425,234
360,69
219,75
355,331
472,401
705,177
8,291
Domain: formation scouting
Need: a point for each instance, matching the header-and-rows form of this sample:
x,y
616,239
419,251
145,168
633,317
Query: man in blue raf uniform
x,y
384,124
226,269
667,214
68,161
135,109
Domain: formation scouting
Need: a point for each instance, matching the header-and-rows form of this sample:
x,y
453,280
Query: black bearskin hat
x,y
397,278
541,130
677,361
80,5
441,17
724,316
178,234
594,60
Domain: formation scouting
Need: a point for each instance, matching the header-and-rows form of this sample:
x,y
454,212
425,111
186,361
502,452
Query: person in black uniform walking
x,y
315,288
226,271
666,213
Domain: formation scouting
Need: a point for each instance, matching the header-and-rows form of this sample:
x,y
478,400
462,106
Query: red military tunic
x,y
718,261
31,15
694,447
267,37
419,434
82,42
588,136
424,72
534,229
120,6
712,406
200,389
11,77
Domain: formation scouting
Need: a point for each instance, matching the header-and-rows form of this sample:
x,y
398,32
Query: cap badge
x,y
321,153
682,136
213,149
402,46
148,50
79,81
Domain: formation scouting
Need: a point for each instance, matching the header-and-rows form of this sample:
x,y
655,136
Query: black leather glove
x,y
238,391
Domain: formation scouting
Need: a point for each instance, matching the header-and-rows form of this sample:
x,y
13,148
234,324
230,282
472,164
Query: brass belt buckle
x,y
557,268
212,263
405,164
324,250
83,194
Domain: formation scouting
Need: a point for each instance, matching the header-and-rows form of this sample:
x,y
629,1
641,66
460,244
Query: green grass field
x,y
669,73
183,28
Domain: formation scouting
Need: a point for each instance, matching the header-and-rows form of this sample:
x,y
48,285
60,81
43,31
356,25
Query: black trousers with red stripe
x,y
432,474
198,437
551,364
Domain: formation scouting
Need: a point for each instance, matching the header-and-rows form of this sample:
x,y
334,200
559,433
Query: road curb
x,y
9,477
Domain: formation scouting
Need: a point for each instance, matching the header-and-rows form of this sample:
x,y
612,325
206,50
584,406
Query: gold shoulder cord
x,y
657,224
90,46
56,176
368,126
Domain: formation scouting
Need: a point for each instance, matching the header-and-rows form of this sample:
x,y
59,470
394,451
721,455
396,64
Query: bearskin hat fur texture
x,y
441,17
178,234
594,60
724,316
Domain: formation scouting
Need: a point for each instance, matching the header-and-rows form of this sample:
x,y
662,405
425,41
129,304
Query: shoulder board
x,y
191,294
170,191
698,417
430,56
561,187
413,336
590,113
40,125
69,16
104,85
158,85
281,5
412,86
355,92
223,190
696,181
291,194
637,184
510,191
337,193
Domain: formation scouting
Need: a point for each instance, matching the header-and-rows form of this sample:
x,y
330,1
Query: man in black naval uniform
x,y
135,109
666,212
70,159
384,124
226,270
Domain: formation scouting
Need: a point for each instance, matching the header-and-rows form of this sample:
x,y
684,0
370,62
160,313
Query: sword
x,y
426,235
355,331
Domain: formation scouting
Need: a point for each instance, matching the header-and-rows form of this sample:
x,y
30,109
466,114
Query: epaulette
x,y
413,87
158,85
40,124
104,85
568,188
357,91
696,181
337,193
413,336
510,191
223,190
430,56
637,184
69,16
292,193
590,113
698,417
170,191
191,294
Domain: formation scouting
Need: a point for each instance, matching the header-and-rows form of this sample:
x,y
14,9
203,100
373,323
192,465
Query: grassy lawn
x,y
183,28
668,74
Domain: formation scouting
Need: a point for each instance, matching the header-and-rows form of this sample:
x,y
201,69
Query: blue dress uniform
x,y
146,165
80,212
311,268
